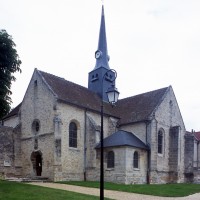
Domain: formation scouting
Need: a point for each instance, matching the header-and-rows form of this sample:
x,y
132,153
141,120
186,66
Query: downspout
x,y
84,146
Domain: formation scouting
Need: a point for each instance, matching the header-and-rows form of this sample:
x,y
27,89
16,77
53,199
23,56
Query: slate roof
x,y
128,110
13,112
139,107
75,94
123,138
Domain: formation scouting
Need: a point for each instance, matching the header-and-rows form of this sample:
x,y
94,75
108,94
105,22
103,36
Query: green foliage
x,y
164,190
9,64
21,191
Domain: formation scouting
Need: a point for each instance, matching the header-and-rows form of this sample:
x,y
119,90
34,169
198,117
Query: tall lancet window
x,y
136,160
110,159
160,141
72,135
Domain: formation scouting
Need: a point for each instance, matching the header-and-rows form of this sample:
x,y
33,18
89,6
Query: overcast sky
x,y
151,43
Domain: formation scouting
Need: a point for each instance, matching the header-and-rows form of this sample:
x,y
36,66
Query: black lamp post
x,y
113,95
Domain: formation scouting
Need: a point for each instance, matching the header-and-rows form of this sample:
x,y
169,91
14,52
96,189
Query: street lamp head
x,y
112,94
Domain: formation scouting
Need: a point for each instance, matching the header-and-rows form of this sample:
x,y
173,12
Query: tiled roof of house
x,y
123,138
128,110
197,135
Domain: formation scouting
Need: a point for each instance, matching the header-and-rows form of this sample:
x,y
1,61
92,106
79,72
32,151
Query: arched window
x,y
135,160
36,126
160,142
111,159
72,135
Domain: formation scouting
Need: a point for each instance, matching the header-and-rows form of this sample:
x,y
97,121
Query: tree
x,y
9,64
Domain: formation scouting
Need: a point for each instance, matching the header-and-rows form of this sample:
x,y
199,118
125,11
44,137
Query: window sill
x,y
136,169
74,149
110,169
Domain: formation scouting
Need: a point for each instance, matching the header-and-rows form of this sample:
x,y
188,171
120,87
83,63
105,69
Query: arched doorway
x,y
36,159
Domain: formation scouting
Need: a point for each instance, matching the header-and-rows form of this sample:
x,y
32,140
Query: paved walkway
x,y
112,194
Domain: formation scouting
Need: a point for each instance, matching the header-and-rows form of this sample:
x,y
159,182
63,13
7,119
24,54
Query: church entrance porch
x,y
36,159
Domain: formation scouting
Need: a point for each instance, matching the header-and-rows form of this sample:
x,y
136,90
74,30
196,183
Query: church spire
x,y
101,54
101,77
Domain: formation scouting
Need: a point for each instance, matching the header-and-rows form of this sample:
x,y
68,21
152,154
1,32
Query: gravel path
x,y
112,194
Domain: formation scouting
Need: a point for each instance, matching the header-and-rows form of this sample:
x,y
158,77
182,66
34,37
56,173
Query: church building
x,y
55,131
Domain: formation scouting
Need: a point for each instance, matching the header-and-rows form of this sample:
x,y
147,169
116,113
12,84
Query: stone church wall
x,y
167,116
189,152
72,158
45,147
93,129
139,130
38,106
136,175
11,121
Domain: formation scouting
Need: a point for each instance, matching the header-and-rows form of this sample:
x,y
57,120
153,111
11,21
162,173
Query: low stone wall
x,y
9,152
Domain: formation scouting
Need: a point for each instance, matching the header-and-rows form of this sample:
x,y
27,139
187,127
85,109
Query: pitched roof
x,y
13,112
74,94
139,107
128,110
197,135
131,109
123,138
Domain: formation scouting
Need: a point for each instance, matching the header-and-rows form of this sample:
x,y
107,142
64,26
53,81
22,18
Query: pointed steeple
x,y
101,54
101,77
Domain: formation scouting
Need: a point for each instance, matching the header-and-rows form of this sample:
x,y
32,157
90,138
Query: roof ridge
x,y
46,82
144,93
160,100
63,79
51,74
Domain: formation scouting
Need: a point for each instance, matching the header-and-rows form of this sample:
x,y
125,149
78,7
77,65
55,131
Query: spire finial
x,y
101,54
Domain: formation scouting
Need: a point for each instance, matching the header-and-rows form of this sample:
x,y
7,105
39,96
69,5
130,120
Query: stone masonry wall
x,y
46,149
166,116
93,155
173,148
189,152
10,165
136,175
139,130
38,104
11,121
72,159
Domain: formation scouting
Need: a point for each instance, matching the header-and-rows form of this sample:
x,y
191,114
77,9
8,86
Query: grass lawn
x,y
165,190
22,191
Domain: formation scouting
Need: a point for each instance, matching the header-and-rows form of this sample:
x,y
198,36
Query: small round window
x,y
36,126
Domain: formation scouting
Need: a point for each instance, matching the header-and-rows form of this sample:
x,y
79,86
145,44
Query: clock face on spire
x,y
98,54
